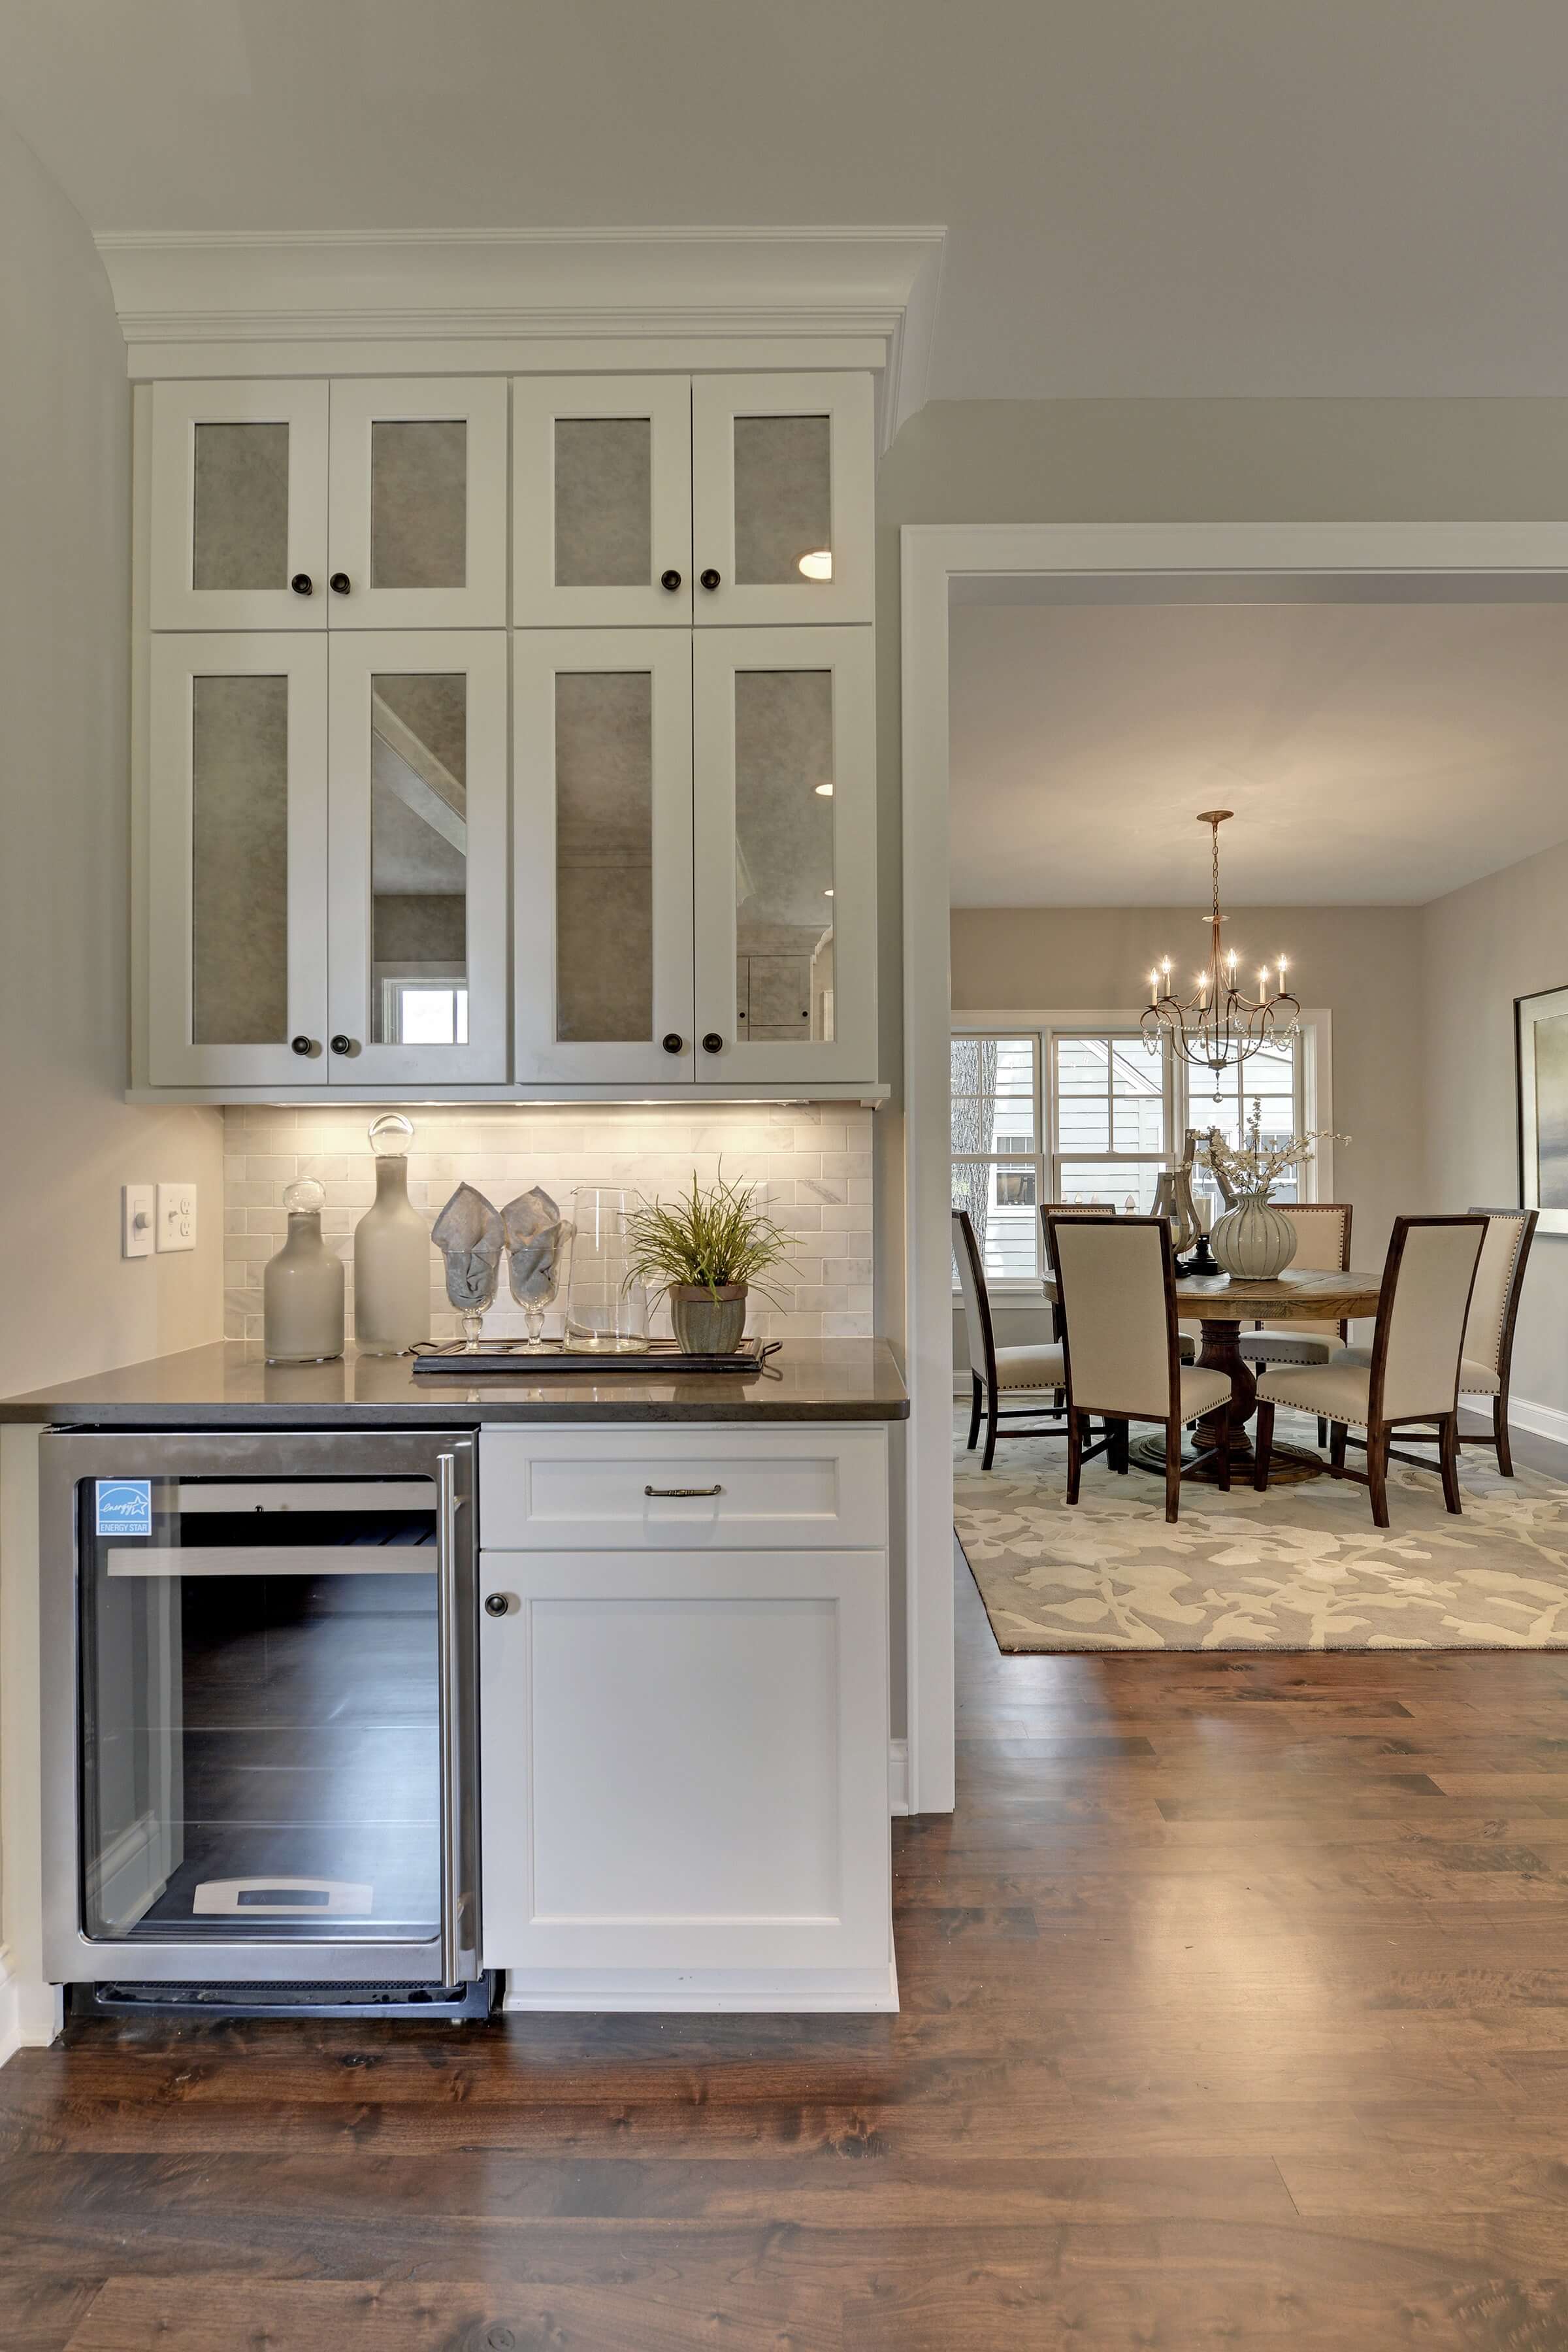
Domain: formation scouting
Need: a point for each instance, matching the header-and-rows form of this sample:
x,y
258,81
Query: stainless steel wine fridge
x,y
260,1784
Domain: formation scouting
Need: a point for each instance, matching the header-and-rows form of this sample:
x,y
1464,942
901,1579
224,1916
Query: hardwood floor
x,y
1236,2013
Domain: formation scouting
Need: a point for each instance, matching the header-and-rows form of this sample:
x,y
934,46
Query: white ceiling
x,y
1214,197
1373,754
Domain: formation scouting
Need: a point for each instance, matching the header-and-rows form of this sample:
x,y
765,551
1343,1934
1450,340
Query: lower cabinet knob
x,y
710,578
673,1041
341,1044
713,1043
670,580
496,1604
302,585
339,583
304,1045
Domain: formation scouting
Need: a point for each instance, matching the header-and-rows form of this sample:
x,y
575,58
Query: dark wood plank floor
x,y
1236,2013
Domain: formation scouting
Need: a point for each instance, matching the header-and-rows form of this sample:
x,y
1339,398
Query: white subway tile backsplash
x,y
812,1168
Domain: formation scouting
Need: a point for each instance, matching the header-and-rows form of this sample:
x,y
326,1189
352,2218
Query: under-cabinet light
x,y
817,564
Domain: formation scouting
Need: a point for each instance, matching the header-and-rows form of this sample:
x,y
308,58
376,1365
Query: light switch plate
x,y
176,1216
137,1211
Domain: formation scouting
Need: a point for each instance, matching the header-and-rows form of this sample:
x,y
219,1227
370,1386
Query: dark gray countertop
x,y
230,1385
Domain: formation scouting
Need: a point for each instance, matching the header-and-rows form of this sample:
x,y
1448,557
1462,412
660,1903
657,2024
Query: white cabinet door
x,y
602,502
238,860
782,485
602,854
684,1761
417,801
418,537
238,505
785,854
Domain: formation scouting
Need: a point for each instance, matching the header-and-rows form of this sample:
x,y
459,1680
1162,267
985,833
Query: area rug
x,y
1300,1568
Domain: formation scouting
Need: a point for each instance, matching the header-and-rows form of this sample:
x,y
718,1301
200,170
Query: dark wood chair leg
x,y
1448,1455
1173,1471
1500,1434
974,1382
1262,1444
1377,1474
1075,1454
1222,1439
1322,1432
1338,1438
989,1455
1121,1447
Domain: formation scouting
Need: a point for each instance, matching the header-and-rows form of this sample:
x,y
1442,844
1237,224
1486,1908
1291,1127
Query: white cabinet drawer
x,y
653,1489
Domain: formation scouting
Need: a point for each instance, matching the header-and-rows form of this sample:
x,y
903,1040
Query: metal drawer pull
x,y
681,1493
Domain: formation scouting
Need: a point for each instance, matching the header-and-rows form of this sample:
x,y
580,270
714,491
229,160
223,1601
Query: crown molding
x,y
816,291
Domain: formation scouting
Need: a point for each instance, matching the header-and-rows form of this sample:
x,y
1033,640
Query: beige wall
x,y
68,1303
1503,937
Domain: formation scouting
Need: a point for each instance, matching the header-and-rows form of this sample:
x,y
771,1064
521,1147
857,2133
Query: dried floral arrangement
x,y
1250,1170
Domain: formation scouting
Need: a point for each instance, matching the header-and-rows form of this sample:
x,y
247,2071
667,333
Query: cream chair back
x,y
1498,1277
976,1302
1421,1311
1049,1209
1322,1246
1119,1314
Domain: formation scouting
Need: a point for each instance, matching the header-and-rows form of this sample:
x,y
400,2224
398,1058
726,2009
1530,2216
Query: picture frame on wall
x,y
1541,1035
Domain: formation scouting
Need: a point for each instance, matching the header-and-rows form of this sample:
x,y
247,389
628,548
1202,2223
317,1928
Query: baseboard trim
x,y
703,1992
10,2010
1540,1419
898,1776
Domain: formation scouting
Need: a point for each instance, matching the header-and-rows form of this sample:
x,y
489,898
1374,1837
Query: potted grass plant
x,y
703,1252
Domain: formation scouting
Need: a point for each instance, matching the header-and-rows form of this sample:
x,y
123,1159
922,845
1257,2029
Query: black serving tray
x,y
506,1359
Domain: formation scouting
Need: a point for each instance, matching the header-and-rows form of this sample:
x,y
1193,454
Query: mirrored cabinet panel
x,y
602,502
782,488
602,847
237,855
239,518
417,801
418,504
784,832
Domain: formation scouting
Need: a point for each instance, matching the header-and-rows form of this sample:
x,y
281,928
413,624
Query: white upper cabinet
x,y
239,506
602,502
782,498
365,504
784,826
417,801
601,850
417,505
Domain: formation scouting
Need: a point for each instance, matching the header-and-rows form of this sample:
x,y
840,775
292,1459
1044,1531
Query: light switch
x,y
137,1211
176,1216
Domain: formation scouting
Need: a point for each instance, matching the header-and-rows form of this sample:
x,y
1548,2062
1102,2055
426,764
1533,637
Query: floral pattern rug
x,y
1300,1568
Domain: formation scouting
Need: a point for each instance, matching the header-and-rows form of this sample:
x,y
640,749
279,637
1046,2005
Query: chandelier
x,y
1218,1024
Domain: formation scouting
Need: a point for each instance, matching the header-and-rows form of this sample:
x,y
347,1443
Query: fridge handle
x,y
450,1653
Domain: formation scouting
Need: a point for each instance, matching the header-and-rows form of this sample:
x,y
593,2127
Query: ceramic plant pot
x,y
707,1322
1253,1241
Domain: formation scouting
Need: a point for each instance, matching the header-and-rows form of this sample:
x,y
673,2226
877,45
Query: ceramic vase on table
x,y
1253,1241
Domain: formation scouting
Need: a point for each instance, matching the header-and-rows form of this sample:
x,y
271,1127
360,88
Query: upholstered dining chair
x,y
1412,1374
1121,1348
1486,1365
1049,1209
995,1370
1322,1246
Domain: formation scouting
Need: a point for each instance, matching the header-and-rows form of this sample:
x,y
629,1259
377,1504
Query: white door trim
x,y
933,557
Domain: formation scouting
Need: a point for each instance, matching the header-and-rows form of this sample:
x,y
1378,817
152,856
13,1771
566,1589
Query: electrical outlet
x,y
176,1216
136,1214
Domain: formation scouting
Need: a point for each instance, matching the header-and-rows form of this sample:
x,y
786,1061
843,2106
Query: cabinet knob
x,y
302,1045
673,1041
670,580
710,578
341,1044
302,585
496,1604
339,583
713,1043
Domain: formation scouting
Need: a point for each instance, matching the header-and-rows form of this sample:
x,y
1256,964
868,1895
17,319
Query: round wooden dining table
x,y
1224,1305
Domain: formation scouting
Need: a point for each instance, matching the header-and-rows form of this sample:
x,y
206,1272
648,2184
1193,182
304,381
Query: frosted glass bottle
x,y
392,1251
302,1286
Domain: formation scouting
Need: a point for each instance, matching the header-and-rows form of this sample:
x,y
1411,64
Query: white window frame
x,y
1312,1107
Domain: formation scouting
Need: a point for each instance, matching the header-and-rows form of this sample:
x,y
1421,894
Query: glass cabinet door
x,y
238,860
602,502
417,800
419,505
602,855
782,492
238,506
786,867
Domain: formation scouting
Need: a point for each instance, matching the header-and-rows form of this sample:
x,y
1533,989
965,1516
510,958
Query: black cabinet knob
x,y
496,1604
304,1045
670,580
673,1041
710,578
713,1043
339,583
341,1044
302,585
